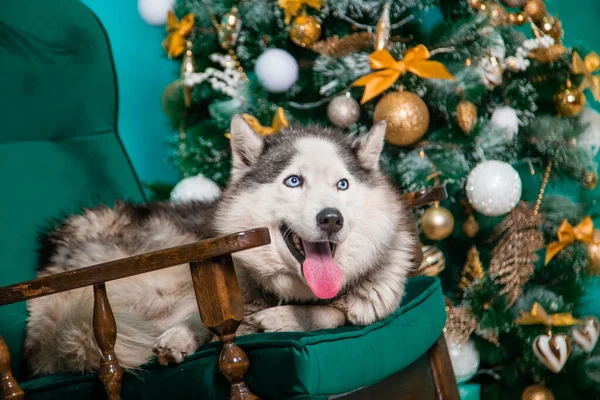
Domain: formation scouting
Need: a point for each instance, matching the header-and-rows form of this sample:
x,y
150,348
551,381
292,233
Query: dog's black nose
x,y
330,220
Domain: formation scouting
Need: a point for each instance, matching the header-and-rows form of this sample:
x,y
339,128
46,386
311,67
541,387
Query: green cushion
x,y
59,150
296,365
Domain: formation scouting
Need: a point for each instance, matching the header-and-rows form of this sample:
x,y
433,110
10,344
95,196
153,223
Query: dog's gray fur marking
x,y
157,314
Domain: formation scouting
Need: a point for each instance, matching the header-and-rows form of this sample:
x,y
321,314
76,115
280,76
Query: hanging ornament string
x,y
587,67
415,61
567,234
538,202
291,8
539,316
177,31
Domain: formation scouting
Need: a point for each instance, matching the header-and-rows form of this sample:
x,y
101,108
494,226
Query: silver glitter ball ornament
x,y
343,111
493,188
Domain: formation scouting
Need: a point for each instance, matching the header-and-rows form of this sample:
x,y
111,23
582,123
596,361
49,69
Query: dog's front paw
x,y
362,310
296,318
175,344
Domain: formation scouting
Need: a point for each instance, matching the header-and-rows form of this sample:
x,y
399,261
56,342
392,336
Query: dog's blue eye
x,y
343,184
293,181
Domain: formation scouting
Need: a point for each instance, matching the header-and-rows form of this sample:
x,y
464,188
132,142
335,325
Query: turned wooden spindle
x,y
222,310
105,331
9,388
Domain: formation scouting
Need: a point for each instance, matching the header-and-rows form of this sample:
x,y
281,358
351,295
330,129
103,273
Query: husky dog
x,y
342,244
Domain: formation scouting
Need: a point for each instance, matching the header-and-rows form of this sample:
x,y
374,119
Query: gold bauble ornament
x,y
305,30
433,261
407,117
515,3
475,4
536,9
551,27
590,180
173,101
593,252
466,116
471,227
537,392
437,223
569,102
498,15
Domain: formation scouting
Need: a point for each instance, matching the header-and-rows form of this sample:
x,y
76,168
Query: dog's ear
x,y
246,145
369,149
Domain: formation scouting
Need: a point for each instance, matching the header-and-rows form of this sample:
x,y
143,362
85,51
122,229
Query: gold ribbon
x,y
292,7
278,123
415,61
587,67
584,232
174,43
539,316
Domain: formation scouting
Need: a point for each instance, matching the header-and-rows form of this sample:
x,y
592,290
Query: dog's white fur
x,y
156,313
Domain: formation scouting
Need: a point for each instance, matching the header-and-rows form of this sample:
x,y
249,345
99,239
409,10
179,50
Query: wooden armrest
x,y
140,264
422,197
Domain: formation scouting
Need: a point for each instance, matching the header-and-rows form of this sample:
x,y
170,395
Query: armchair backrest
x,y
59,149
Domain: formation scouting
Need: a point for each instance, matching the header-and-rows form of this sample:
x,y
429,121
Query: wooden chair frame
x,y
220,305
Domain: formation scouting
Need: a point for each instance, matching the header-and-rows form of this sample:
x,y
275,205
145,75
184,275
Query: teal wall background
x,y
143,72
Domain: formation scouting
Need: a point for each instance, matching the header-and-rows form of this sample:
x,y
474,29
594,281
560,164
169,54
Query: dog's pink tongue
x,y
323,275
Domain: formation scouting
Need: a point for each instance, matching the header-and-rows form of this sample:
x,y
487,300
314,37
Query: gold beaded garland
x,y
305,30
407,117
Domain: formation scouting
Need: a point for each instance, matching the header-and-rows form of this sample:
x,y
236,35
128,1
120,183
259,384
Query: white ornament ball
x,y
197,187
154,12
277,70
493,188
343,111
506,118
465,360
589,140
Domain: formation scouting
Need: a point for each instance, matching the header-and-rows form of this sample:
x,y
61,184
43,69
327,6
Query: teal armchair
x,y
60,152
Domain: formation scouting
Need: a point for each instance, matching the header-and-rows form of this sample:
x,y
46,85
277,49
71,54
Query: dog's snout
x,y
330,220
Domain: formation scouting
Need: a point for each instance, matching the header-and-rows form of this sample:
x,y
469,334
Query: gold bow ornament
x,y
587,67
292,7
177,31
539,316
416,61
278,123
567,234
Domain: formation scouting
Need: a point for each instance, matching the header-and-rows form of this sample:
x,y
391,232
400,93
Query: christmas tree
x,y
488,102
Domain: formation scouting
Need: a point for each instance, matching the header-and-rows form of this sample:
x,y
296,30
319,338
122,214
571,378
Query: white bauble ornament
x,y
493,188
589,140
506,117
197,187
277,70
465,360
154,12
